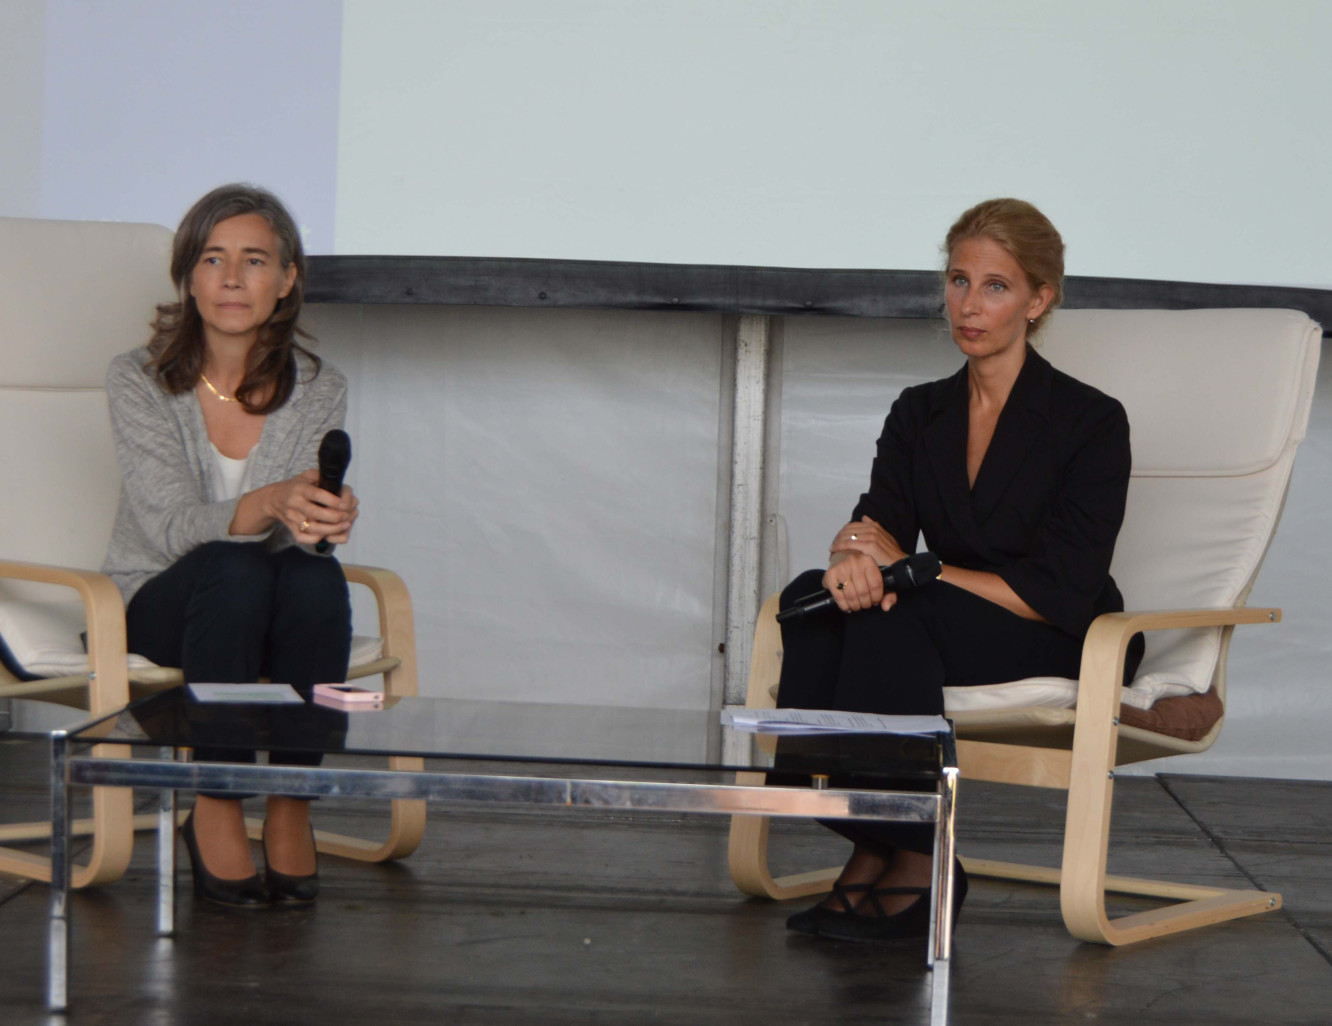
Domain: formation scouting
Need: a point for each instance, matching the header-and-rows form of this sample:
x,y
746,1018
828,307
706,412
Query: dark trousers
x,y
231,612
899,661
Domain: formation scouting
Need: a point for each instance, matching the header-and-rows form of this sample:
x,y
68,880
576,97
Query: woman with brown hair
x,y
217,424
1016,475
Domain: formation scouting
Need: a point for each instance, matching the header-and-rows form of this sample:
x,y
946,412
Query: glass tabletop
x,y
454,728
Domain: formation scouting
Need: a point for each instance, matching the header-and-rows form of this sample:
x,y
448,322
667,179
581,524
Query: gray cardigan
x,y
166,503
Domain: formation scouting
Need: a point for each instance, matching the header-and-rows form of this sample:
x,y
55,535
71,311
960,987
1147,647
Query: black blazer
x,y
1048,500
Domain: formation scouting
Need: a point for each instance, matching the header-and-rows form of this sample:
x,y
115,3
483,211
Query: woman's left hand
x,y
313,515
331,518
867,538
348,507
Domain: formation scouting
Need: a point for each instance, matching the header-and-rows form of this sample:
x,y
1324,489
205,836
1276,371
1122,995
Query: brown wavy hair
x,y
177,345
1026,234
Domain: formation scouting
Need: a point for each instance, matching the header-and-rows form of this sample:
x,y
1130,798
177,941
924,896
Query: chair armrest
x,y
85,581
397,627
1107,639
1170,619
104,612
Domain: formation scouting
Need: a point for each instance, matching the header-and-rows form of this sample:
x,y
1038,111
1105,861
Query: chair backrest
x,y
73,294
1217,402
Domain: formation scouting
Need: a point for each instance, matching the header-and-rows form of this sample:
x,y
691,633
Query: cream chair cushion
x,y
44,638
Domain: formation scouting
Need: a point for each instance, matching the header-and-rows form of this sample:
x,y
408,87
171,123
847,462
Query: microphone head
x,y
335,449
334,455
912,572
924,567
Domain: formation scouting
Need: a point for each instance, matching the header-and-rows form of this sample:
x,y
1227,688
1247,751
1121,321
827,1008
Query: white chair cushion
x,y
64,480
62,337
1052,693
43,638
1207,391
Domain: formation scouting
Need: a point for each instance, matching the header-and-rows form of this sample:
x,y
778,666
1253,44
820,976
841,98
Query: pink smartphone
x,y
348,694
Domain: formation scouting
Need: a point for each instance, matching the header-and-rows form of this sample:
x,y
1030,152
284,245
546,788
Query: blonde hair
x,y
1028,237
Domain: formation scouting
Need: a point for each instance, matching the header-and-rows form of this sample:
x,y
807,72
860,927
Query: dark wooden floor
x,y
578,917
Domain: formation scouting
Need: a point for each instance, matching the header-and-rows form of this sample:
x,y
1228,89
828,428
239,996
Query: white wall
x,y
141,107
1177,139
22,52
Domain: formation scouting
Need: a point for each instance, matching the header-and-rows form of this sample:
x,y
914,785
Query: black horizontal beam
x,y
597,284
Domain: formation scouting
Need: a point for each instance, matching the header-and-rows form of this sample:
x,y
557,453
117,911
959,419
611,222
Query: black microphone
x,y
913,572
334,455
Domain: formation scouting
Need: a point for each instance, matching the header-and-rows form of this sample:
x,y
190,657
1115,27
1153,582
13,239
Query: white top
x,y
231,478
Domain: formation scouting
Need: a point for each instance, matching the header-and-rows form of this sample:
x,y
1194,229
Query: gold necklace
x,y
224,398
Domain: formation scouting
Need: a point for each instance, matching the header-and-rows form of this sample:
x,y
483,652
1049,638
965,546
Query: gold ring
x,y
841,585
305,526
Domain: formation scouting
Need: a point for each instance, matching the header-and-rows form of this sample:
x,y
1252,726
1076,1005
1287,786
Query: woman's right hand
x,y
855,582
853,576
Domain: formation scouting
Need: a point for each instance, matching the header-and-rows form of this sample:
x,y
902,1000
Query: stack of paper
x,y
818,721
248,694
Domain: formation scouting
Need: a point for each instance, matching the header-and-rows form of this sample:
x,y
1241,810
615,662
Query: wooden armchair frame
x,y
1085,769
109,684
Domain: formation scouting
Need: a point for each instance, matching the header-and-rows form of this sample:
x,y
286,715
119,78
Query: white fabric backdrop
x,y
546,482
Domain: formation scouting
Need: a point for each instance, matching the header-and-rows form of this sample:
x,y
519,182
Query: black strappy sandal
x,y
811,919
868,922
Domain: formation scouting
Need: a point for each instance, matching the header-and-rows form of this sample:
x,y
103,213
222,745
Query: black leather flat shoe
x,y
248,892
290,890
869,923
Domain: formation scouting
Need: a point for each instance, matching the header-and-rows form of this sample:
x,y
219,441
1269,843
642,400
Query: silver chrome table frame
x,y
169,776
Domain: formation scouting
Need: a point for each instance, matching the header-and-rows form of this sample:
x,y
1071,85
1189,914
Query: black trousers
x,y
898,662
231,612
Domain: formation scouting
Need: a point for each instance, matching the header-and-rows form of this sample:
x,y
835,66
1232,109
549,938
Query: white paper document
x,y
267,694
819,721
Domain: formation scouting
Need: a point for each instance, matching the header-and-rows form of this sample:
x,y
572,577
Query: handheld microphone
x,y
334,455
904,575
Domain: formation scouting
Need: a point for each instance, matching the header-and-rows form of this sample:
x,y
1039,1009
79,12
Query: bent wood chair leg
x,y
1083,883
1137,886
397,628
111,828
747,850
12,833
748,857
